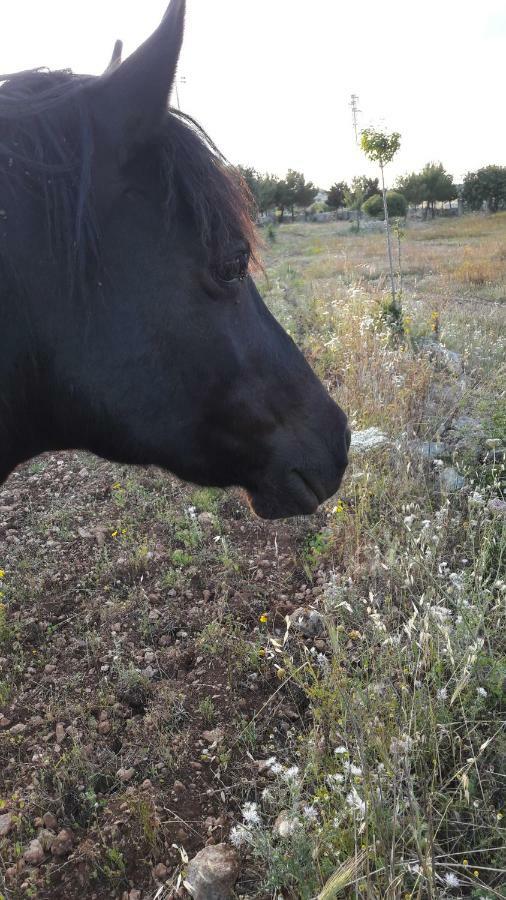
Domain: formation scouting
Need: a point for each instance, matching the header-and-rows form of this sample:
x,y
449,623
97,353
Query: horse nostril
x,y
348,438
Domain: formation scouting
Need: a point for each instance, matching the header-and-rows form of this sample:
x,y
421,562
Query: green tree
x,y
299,192
267,192
381,147
487,185
437,185
396,205
411,187
337,195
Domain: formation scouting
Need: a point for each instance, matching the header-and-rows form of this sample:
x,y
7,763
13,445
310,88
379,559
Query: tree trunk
x,y
387,226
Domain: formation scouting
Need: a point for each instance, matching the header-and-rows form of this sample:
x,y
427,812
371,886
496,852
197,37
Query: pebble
x,y
62,844
50,821
213,872
160,871
308,622
34,855
6,823
125,774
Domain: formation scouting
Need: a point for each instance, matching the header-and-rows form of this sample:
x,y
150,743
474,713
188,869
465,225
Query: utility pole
x,y
180,79
354,111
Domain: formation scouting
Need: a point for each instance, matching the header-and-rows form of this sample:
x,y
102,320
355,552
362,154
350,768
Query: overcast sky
x,y
270,80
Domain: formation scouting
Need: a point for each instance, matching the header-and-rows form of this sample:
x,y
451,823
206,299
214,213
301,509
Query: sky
x,y
271,80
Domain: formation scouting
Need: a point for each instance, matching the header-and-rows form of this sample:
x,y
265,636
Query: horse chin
x,y
272,503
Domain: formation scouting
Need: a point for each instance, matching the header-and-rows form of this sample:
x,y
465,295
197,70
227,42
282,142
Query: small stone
x,y
14,871
6,823
285,824
179,788
308,622
104,727
213,872
125,774
49,669
206,520
451,480
60,732
46,838
149,656
62,844
216,736
18,729
35,853
160,871
50,821
146,785
154,615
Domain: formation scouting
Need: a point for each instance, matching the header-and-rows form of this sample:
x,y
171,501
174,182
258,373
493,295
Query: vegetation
x,y
155,700
396,205
487,185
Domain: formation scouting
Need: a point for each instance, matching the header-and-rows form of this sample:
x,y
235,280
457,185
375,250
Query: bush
x,y
396,204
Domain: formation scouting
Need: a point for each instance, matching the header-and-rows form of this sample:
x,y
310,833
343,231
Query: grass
x,y
366,760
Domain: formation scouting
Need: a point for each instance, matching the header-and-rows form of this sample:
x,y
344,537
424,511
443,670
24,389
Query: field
x,y
324,694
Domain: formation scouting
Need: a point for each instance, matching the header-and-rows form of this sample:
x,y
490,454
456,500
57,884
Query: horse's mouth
x,y
299,496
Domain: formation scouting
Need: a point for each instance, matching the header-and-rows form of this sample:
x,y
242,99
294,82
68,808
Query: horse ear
x,y
116,57
129,100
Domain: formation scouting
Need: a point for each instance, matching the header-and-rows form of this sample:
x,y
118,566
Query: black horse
x,y
130,324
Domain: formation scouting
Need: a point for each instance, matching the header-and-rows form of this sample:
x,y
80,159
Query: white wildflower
x,y
267,795
333,780
481,692
240,836
442,693
250,814
351,768
451,880
355,802
323,663
291,774
310,813
340,750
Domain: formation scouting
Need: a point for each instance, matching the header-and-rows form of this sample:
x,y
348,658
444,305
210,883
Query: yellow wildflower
x,y
114,533
263,618
2,573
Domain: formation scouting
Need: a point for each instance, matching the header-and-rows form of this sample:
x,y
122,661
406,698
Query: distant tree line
x,y
271,192
432,185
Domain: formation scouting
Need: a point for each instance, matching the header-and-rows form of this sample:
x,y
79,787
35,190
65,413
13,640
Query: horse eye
x,y
234,269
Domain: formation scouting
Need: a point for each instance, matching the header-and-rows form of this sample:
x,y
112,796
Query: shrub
x,y
396,204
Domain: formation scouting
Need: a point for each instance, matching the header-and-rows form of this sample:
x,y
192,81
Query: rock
x,y
206,520
368,439
18,729
6,823
285,824
216,736
432,449
104,727
125,774
62,844
46,838
160,872
14,871
35,853
213,872
450,480
60,732
497,506
308,622
448,359
154,615
50,821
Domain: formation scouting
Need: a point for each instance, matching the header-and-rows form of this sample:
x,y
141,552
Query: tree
x,y
396,205
354,197
299,192
411,187
267,192
381,147
487,185
337,195
437,184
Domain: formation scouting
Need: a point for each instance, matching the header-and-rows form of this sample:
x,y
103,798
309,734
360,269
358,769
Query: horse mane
x,y
46,145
